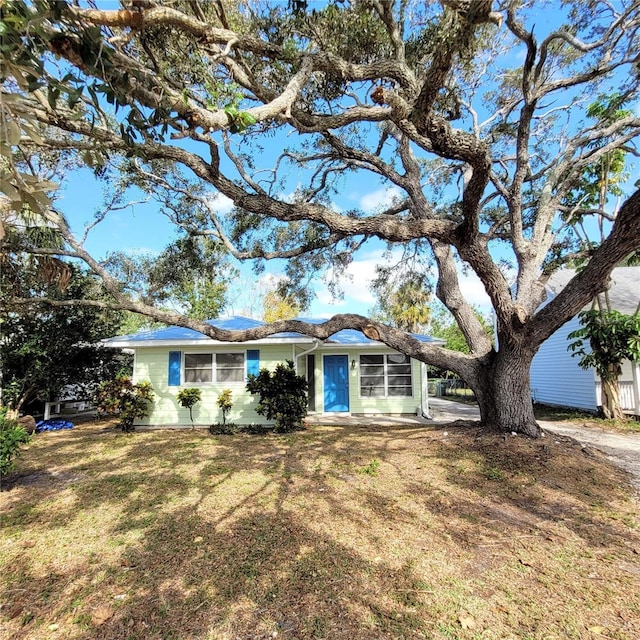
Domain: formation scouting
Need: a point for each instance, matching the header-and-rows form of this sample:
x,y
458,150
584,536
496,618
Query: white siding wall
x,y
556,378
627,371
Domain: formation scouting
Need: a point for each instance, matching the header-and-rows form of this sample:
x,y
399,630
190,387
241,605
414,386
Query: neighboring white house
x,y
556,377
347,373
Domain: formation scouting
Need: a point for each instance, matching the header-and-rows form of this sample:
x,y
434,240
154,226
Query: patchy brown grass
x,y
335,532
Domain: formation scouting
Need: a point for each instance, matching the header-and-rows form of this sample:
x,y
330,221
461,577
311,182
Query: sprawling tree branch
x,y
384,94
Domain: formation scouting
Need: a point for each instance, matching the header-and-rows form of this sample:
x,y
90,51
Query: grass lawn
x,y
343,533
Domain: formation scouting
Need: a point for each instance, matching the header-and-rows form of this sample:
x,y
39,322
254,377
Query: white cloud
x,y
359,299
379,199
355,285
473,291
221,203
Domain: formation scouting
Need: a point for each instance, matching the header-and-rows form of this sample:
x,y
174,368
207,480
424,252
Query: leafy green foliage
x,y
612,336
191,274
404,302
283,396
443,325
122,398
239,121
279,307
188,398
605,175
43,351
12,437
225,403
370,469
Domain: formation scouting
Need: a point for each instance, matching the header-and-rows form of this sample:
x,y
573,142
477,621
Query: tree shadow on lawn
x,y
265,574
553,479
301,535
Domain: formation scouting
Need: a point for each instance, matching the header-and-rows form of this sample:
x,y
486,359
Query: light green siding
x,y
152,363
369,405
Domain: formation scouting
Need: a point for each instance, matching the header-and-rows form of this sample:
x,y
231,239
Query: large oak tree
x,y
476,117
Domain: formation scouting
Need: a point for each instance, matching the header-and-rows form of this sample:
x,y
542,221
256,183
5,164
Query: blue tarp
x,y
53,425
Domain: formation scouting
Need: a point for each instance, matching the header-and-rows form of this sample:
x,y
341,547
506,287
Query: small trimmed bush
x,y
225,403
188,398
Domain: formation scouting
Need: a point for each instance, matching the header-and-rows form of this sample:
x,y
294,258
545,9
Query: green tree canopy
x,y
473,115
42,351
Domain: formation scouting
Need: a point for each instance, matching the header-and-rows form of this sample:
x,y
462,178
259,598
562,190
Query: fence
x,y
449,387
627,396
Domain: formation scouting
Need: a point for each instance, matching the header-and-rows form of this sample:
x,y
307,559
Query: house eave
x,y
204,342
200,342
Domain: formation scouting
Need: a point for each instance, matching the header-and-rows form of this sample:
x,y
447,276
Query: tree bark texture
x,y
502,387
610,390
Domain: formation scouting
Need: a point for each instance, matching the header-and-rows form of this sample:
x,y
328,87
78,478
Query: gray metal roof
x,y
624,292
183,336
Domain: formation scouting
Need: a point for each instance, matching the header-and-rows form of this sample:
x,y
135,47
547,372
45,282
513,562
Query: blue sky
x,y
139,227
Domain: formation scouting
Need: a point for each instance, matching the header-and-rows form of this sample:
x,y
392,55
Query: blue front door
x,y
336,383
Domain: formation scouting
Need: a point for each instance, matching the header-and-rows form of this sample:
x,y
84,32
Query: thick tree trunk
x,y
503,391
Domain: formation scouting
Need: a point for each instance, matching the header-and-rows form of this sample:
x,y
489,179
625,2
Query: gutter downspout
x,y
316,344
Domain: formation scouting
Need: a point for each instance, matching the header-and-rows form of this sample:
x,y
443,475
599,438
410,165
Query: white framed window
x,y
198,367
207,367
385,375
230,367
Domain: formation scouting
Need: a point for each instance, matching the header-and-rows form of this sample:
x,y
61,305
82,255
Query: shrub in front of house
x,y
283,396
225,403
122,398
188,398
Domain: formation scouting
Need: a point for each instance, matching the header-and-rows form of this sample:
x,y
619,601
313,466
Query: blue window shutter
x,y
253,361
175,365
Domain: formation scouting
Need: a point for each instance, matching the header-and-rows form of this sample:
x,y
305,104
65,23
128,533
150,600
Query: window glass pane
x,y
197,375
198,367
370,390
229,367
192,360
375,380
399,369
372,385
364,360
399,381
372,370
400,391
230,359
229,375
397,358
